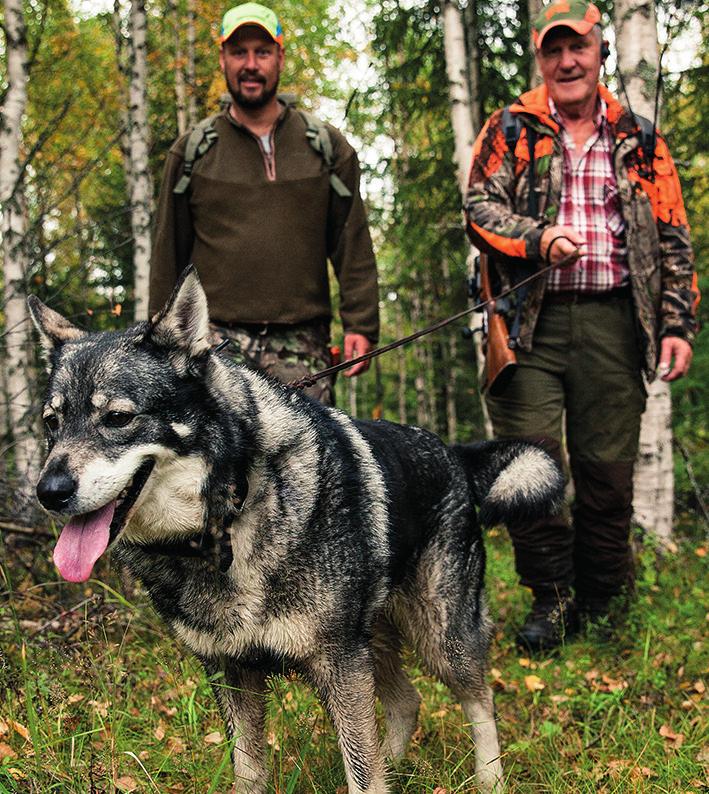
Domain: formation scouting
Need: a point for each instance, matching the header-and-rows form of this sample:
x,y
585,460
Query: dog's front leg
x,y
346,685
241,696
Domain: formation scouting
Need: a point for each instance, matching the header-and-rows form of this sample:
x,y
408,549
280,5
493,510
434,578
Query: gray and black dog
x,y
273,533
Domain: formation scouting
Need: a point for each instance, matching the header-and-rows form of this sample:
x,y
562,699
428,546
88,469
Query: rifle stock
x,y
500,360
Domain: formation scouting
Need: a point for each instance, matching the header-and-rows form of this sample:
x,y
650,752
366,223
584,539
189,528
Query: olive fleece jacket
x,y
260,229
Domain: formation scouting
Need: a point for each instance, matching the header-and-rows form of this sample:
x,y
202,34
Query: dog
x,y
273,533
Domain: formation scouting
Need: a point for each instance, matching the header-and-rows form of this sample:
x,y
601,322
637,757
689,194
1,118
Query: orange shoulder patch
x,y
664,192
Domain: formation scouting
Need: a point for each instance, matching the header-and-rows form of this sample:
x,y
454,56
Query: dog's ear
x,y
184,320
54,330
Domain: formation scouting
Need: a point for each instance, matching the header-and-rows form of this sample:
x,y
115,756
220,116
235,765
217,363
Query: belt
x,y
274,328
617,293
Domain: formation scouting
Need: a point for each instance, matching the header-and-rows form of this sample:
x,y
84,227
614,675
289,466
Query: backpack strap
x,y
648,138
512,125
318,136
204,135
511,128
199,141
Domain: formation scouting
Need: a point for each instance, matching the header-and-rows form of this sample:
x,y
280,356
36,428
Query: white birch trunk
x,y
533,8
464,134
190,67
18,370
174,15
141,197
124,72
638,60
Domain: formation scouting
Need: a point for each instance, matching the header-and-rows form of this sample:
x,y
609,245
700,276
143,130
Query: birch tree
x,y
638,61
191,75
464,134
141,195
18,381
174,12
533,8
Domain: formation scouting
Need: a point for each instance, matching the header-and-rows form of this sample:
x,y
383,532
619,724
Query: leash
x,y
310,380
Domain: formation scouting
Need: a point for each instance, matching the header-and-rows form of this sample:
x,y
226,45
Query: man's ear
x,y
54,330
183,322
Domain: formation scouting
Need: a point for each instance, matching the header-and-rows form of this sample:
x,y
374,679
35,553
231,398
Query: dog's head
x,y
121,428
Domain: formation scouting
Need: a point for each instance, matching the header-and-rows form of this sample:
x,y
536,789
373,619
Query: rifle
x,y
500,359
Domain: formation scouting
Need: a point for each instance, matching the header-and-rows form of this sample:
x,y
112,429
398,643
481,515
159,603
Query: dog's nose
x,y
55,489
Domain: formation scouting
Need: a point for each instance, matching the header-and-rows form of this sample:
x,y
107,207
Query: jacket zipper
x,y
269,160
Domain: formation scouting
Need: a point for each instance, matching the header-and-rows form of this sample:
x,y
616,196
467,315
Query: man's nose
x,y
55,488
251,62
567,59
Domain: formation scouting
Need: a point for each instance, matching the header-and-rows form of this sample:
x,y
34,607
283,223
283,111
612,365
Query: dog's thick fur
x,y
274,533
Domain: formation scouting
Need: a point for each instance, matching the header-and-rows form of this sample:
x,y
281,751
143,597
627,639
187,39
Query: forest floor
x,y
95,696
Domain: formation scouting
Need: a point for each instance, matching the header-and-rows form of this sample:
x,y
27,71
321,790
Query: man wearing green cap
x,y
259,198
565,173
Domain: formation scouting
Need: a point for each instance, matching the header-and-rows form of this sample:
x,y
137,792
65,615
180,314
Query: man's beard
x,y
252,103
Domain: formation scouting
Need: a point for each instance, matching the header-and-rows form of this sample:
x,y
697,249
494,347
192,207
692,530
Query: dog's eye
x,y
51,424
118,418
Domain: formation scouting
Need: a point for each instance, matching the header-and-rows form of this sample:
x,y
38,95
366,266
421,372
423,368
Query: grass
x,y
102,699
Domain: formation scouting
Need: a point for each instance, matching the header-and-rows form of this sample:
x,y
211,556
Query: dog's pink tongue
x,y
82,542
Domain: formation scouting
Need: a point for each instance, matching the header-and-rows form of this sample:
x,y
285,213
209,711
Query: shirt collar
x,y
599,120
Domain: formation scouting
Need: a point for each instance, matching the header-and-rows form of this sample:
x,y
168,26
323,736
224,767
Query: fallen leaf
x,y
700,551
100,707
24,733
700,687
6,751
673,739
175,745
272,741
559,698
440,713
524,662
213,738
75,698
126,783
159,732
3,727
440,790
534,683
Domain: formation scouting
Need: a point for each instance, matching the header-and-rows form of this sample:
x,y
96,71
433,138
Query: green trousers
x,y
584,370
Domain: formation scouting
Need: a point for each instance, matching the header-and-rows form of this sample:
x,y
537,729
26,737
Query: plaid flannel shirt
x,y
590,204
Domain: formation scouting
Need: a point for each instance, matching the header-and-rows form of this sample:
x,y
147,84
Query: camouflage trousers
x,y
286,352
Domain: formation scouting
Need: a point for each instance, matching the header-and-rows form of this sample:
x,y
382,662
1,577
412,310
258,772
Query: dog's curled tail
x,y
511,481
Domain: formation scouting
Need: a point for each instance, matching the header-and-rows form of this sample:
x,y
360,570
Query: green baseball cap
x,y
579,15
251,14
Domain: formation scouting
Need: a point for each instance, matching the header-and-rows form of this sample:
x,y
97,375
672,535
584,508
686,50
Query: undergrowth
x,y
95,696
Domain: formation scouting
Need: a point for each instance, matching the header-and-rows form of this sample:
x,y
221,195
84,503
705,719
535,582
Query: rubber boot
x,y
550,623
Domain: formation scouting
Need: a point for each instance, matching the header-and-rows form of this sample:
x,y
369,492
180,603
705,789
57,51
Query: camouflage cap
x,y
578,15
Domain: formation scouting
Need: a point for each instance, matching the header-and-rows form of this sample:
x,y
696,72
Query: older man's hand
x,y
675,358
563,241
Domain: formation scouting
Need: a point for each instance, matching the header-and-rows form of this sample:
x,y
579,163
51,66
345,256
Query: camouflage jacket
x,y
660,258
